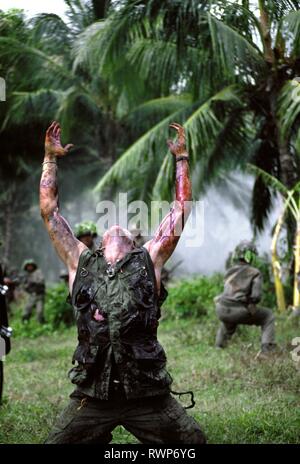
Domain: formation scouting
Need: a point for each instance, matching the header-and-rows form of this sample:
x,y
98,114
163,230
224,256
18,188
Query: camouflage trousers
x,y
35,301
154,420
232,316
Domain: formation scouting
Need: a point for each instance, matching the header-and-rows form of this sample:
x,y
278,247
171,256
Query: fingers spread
x,y
180,131
68,147
56,130
50,128
176,126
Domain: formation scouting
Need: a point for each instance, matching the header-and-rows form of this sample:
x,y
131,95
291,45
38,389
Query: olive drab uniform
x,y
237,305
120,367
34,285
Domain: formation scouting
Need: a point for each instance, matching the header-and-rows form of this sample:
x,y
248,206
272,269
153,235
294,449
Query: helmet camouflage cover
x,y
245,251
85,228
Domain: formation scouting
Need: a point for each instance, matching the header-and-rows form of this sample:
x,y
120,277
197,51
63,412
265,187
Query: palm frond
x,y
290,27
233,147
78,109
268,179
288,107
235,54
80,14
40,105
51,32
202,128
145,154
156,60
85,46
16,50
152,111
271,181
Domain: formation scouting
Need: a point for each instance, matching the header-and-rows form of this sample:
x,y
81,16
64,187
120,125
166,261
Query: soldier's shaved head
x,y
118,235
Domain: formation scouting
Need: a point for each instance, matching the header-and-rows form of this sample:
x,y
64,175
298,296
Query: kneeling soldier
x,y
116,293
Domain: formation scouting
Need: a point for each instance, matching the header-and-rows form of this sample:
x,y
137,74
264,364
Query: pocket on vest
x,y
149,356
79,375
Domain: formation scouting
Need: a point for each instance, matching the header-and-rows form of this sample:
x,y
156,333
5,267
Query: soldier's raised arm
x,y
168,233
66,245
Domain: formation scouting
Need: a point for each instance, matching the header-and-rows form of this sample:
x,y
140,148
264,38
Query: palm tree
x,y
228,70
291,204
37,63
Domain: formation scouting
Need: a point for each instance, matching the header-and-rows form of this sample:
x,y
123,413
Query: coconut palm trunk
x,y
296,296
279,290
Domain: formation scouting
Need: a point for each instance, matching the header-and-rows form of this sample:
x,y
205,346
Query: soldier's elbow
x,y
47,213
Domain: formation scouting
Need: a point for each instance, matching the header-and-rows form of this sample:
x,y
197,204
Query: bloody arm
x,y
168,233
65,244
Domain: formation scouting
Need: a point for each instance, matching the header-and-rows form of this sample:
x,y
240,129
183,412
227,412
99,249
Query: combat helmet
x,y
85,228
27,262
245,251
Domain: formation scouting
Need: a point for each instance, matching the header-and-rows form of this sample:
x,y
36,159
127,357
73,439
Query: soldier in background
x,y
86,232
139,239
237,304
64,276
34,285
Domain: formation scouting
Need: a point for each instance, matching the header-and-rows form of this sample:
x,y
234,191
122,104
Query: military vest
x,y
238,284
117,311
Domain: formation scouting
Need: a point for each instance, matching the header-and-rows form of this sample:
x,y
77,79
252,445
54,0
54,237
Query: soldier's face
x,y
88,240
30,268
118,237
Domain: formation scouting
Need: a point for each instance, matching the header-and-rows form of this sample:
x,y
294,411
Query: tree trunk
x,y
288,168
296,299
265,32
279,290
8,225
100,8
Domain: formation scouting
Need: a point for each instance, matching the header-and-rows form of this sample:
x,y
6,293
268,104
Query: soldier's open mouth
x,y
98,316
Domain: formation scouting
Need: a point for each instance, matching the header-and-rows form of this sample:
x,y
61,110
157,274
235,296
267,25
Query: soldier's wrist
x,y
49,160
182,157
49,156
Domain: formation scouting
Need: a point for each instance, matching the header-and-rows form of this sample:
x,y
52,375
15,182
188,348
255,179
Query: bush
x,y
58,314
192,297
57,311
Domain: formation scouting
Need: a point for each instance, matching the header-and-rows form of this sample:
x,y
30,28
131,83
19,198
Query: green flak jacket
x,y
117,311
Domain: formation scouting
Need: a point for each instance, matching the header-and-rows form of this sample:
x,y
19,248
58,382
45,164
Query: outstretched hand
x,y
178,148
53,146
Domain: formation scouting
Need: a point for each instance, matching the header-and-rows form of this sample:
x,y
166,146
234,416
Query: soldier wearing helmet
x,y
34,285
238,302
86,232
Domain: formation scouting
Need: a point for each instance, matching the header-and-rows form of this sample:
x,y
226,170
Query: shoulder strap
x,y
83,260
150,267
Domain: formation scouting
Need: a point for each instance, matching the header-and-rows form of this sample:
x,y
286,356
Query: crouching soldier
x,y
237,304
34,285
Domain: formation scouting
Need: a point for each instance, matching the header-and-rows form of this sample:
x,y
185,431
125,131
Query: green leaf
x,y
288,107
